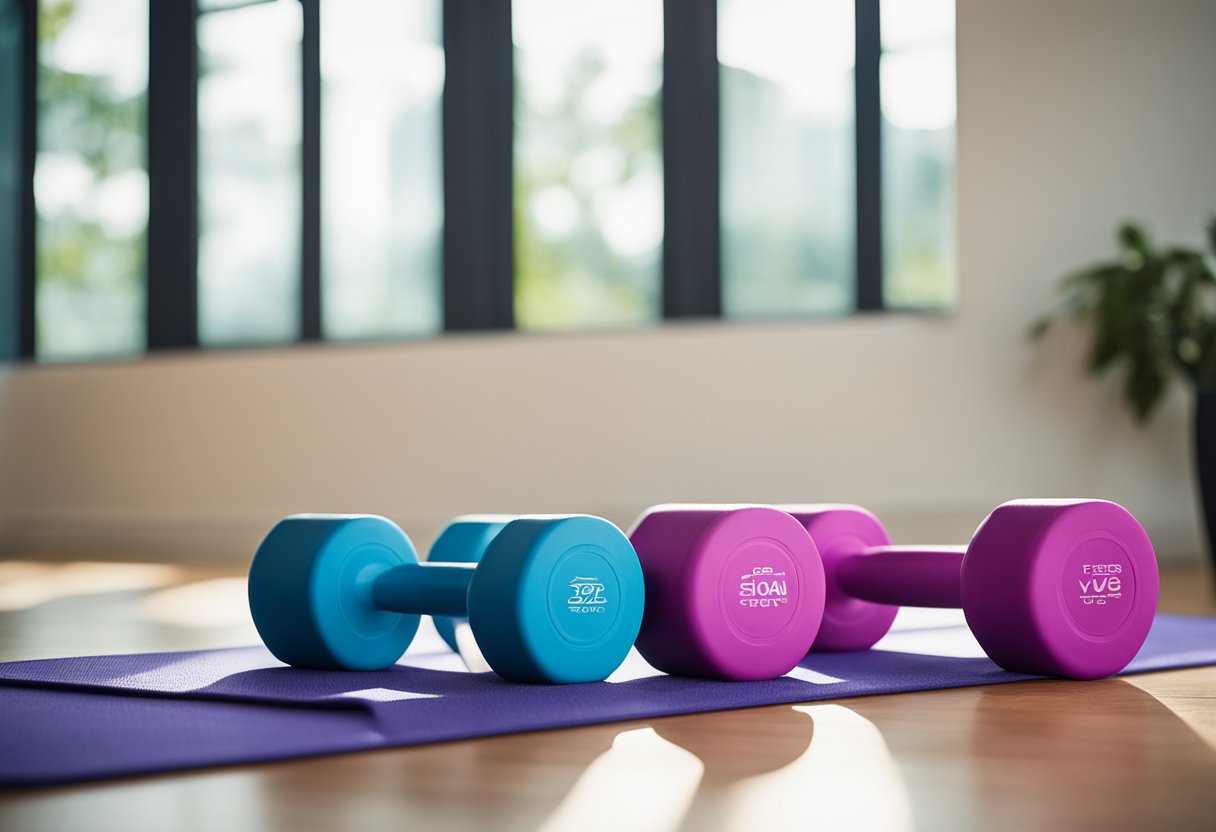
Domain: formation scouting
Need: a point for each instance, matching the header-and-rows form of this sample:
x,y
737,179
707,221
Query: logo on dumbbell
x,y
1101,584
763,588
588,595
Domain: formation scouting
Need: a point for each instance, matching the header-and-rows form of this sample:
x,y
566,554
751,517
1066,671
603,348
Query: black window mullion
x,y
692,258
310,171
18,137
869,157
478,155
27,326
172,264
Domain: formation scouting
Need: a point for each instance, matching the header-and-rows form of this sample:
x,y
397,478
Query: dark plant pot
x,y
1205,463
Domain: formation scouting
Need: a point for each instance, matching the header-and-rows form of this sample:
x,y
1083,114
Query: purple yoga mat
x,y
67,720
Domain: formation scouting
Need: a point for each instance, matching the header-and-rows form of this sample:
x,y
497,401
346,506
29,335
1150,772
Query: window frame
x,y
477,261
17,313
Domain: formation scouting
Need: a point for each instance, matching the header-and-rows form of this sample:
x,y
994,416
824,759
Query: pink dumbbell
x,y
732,592
1052,587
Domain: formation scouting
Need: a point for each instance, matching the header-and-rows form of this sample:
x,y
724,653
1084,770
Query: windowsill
x,y
663,328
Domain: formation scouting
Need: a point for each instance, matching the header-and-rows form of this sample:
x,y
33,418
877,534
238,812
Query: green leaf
x,y
1178,256
1144,388
1039,328
1083,277
1134,238
1104,349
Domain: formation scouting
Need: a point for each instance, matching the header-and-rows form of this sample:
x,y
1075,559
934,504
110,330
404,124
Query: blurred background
x,y
420,258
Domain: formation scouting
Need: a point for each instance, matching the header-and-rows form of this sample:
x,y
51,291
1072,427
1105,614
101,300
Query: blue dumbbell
x,y
464,540
345,592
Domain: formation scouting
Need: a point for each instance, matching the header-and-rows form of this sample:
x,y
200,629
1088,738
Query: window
x,y
588,166
241,172
918,111
381,186
788,159
90,183
249,125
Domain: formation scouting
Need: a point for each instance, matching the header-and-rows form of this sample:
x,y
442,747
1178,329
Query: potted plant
x,y
1151,314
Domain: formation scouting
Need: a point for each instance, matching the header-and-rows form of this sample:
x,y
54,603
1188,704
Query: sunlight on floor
x,y
658,777
741,776
838,778
220,602
26,584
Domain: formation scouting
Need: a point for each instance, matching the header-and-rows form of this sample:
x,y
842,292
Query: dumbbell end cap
x,y
1061,587
310,592
557,599
736,592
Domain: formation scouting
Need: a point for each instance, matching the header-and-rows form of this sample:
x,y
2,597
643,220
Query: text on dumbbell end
x,y
1102,584
763,587
589,595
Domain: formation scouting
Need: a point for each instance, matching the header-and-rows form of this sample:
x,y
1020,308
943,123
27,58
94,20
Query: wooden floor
x,y
1134,753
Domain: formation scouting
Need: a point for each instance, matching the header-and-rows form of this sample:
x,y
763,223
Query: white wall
x,y
1073,114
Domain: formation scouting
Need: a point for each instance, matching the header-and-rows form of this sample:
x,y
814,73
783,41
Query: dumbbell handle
x,y
905,576
424,588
